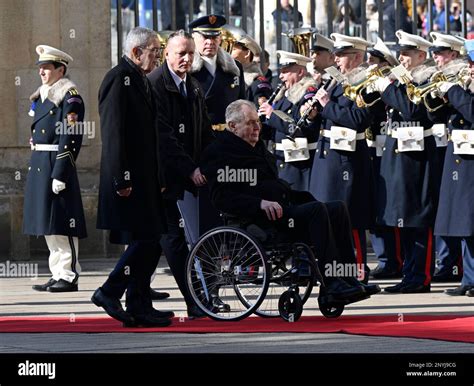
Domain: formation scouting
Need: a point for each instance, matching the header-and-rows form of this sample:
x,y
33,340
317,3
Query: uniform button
x,y
390,111
29,167
43,131
65,146
34,131
73,149
384,148
51,112
232,85
396,151
282,165
289,111
73,142
317,150
458,161
39,169
325,152
461,121
450,121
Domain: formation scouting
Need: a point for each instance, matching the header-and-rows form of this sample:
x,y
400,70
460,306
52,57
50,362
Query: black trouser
x,y
133,273
326,226
175,248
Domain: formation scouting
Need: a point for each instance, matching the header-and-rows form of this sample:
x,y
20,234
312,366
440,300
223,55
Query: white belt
x,y
327,134
311,146
394,134
41,147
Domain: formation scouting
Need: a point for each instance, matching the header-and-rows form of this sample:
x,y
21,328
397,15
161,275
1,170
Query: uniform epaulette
x,y
262,79
73,91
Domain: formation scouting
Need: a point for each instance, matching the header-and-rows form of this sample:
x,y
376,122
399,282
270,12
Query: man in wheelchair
x,y
243,181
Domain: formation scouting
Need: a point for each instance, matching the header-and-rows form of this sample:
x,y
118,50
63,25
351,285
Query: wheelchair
x,y
238,269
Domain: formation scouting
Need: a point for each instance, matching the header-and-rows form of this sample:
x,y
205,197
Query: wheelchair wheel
x,y
289,270
225,264
330,310
290,306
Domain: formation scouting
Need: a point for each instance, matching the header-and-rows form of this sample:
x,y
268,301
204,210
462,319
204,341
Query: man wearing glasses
x,y
130,200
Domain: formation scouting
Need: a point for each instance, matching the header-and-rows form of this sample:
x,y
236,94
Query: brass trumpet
x,y
355,92
427,93
163,39
229,35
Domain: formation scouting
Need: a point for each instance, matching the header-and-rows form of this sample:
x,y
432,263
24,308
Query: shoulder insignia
x,y
262,78
74,100
73,91
264,85
309,95
311,89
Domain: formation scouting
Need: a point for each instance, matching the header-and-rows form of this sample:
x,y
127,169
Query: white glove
x,y
381,84
58,186
443,88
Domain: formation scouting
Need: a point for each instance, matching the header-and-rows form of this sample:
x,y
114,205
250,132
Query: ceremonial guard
x,y
53,205
385,240
407,195
446,53
455,217
299,87
221,77
258,88
341,168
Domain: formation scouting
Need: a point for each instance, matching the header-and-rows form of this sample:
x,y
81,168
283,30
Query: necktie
x,y
182,89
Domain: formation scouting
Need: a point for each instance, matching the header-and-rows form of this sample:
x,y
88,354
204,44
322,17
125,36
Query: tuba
x,y
163,39
356,92
229,35
301,38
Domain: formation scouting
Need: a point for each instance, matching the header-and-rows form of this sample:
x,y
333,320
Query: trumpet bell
x,y
229,35
301,38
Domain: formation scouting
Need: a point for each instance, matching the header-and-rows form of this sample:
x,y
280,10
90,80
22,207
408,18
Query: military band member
x,y
341,168
455,217
53,205
322,57
446,53
300,87
407,195
385,240
220,76
258,88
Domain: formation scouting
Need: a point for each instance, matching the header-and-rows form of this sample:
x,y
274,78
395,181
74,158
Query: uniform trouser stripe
x,y
429,257
74,259
398,248
359,257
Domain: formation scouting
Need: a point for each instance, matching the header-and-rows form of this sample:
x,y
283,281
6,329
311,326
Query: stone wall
x,y
82,29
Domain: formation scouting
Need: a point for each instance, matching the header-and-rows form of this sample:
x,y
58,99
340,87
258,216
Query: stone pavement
x,y
18,299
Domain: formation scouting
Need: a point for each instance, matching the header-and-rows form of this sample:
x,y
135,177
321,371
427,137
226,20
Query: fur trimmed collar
x,y
226,62
358,74
298,90
454,67
424,71
251,71
57,91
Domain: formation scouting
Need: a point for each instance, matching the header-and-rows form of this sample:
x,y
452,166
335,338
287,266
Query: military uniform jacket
x,y
190,124
455,215
256,85
297,173
130,155
226,87
57,121
344,175
407,195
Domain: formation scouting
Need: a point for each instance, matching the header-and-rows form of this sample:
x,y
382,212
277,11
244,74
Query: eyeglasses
x,y
155,50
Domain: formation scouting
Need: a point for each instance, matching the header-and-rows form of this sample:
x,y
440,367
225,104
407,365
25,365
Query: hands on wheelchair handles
x,y
232,273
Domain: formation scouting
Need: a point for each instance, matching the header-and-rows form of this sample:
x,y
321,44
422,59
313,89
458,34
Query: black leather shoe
x,y
161,314
470,293
339,289
459,291
416,289
396,289
155,295
63,286
45,286
385,273
194,312
370,289
147,320
446,278
219,306
112,306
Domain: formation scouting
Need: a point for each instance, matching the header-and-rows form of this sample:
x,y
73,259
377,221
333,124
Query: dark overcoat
x,y
58,120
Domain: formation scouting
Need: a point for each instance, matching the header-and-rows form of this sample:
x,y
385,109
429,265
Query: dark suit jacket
x,y
190,124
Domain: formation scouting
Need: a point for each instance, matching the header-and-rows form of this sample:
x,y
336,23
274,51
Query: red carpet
x,y
456,328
